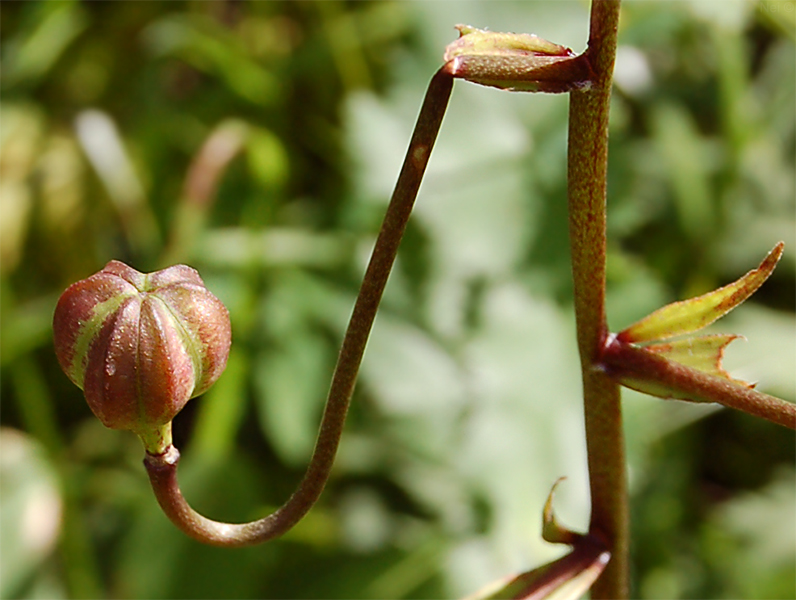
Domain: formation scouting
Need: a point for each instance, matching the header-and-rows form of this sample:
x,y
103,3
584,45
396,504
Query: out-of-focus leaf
x,y
32,54
684,154
20,147
513,381
15,208
24,327
474,204
47,586
222,410
62,169
31,517
105,148
408,371
292,379
765,569
693,314
201,188
268,159
403,577
273,247
210,48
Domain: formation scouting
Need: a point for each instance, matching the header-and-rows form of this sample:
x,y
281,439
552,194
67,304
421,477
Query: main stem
x,y
162,468
586,180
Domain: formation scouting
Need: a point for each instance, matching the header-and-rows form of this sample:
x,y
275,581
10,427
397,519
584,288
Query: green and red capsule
x,y
141,345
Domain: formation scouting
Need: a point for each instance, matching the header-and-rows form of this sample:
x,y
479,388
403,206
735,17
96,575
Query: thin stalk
x,y
586,180
162,468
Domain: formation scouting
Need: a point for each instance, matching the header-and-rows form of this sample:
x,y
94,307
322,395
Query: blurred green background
x,y
259,142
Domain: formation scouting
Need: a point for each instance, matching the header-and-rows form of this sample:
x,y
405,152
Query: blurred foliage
x,y
259,142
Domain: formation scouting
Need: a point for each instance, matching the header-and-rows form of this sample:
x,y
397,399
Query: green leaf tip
x,y
687,316
639,359
515,62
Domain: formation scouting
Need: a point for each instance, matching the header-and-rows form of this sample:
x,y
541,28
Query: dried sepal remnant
x,y
552,530
687,316
515,62
473,41
141,345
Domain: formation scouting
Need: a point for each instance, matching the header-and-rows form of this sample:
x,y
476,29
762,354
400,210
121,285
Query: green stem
x,y
162,468
587,170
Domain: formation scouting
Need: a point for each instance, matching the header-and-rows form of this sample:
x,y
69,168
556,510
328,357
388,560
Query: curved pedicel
x,y
141,345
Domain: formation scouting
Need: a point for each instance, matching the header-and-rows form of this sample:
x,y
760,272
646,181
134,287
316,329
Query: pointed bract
x,y
687,316
552,530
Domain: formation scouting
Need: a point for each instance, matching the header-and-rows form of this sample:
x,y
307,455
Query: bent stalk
x,y
162,468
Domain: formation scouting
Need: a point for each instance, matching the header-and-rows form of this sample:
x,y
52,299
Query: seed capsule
x,y
141,345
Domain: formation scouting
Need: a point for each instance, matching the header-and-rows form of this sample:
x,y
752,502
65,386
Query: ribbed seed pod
x,y
141,345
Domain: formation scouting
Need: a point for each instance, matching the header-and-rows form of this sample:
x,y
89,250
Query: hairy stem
x,y
587,170
162,468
